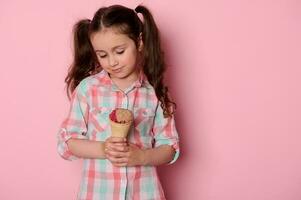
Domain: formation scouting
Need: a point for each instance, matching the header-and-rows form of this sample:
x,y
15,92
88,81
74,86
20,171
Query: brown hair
x,y
127,22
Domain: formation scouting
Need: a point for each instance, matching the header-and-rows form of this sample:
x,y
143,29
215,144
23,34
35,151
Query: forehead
x,y
108,38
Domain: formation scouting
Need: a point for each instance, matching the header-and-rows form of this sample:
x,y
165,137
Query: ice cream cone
x,y
120,121
119,130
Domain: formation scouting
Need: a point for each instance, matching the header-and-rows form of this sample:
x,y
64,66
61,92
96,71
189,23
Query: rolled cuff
x,y
174,145
62,146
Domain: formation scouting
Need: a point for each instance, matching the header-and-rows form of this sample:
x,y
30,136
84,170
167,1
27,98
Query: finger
x,y
115,160
120,143
117,139
122,148
116,154
132,145
116,142
108,145
117,147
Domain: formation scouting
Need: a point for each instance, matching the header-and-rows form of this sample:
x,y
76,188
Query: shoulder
x,y
89,82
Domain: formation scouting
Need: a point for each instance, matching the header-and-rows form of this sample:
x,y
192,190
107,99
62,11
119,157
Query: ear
x,y
140,43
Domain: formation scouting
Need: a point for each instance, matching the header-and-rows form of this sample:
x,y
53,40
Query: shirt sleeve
x,y
74,125
165,132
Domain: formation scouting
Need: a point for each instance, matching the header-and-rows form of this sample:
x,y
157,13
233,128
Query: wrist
x,y
102,154
144,157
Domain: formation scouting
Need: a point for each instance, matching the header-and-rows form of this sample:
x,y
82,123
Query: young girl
x,y
129,55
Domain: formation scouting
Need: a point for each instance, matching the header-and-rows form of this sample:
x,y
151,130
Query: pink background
x,y
234,72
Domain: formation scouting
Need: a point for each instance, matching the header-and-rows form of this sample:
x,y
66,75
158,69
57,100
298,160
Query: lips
x,y
117,70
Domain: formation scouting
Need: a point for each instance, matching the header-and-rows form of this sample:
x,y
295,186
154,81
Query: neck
x,y
127,81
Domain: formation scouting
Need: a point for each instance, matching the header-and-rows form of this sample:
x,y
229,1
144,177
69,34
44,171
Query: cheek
x,y
103,63
129,57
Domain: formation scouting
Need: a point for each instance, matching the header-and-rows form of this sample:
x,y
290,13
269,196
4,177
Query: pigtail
x,y
84,60
154,65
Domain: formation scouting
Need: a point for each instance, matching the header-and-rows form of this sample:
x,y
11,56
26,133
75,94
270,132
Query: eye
x,y
120,51
102,56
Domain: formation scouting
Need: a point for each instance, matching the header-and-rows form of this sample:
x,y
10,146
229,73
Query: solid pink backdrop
x,y
233,71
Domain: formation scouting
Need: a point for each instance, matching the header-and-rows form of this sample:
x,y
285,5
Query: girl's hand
x,y
131,157
115,144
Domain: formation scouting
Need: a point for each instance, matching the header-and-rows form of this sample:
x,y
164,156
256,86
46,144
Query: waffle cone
x,y
121,121
119,129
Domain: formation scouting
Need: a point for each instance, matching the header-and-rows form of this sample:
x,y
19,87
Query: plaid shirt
x,y
91,103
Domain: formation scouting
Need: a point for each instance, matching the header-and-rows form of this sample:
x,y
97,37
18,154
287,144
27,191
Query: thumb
x,y
133,145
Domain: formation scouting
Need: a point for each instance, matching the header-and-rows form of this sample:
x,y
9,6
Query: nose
x,y
112,61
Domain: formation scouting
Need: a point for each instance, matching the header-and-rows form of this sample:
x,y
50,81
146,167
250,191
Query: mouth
x,y
117,70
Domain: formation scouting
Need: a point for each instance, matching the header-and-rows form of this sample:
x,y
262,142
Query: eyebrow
x,y
121,45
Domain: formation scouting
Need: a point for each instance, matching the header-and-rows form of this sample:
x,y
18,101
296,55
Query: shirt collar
x,y
140,82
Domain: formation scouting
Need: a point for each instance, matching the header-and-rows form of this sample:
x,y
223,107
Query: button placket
x,y
124,100
123,182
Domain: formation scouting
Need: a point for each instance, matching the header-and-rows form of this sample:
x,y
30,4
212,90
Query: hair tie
x,y
139,15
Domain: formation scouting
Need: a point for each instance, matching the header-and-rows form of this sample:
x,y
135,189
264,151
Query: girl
x,y
129,55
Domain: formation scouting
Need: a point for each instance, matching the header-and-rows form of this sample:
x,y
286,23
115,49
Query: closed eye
x,y
120,52
102,56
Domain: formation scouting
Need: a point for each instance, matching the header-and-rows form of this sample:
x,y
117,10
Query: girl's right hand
x,y
115,144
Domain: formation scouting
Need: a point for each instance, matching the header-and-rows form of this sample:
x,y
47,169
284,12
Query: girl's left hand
x,y
132,157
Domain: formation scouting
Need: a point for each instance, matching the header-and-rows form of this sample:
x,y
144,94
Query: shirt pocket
x,y
99,119
143,122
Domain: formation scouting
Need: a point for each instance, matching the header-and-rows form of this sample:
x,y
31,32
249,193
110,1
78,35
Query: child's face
x,y
117,53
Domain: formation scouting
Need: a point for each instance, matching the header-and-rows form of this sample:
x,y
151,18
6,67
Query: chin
x,y
121,75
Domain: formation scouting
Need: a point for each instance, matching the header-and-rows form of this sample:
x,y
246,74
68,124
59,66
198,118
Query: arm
x,y
94,149
132,155
166,134
71,138
86,148
165,150
158,155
